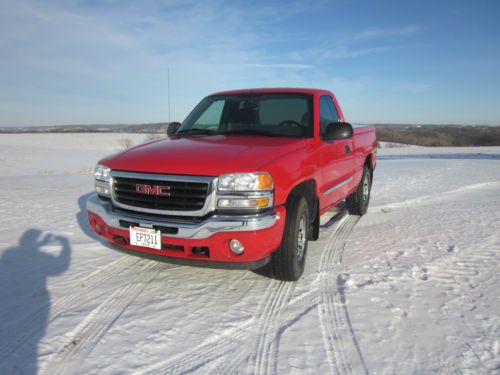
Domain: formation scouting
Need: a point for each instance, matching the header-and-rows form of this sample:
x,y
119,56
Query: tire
x,y
289,260
357,202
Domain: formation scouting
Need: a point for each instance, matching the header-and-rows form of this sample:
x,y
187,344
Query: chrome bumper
x,y
204,229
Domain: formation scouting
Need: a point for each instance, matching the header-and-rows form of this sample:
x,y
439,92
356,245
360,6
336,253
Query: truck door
x,y
337,162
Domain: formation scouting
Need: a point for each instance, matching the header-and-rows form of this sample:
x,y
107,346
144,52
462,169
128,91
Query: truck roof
x,y
276,90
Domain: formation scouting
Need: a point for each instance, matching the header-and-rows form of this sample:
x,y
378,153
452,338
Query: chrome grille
x,y
181,193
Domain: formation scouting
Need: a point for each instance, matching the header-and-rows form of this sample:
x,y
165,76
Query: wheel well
x,y
307,189
368,163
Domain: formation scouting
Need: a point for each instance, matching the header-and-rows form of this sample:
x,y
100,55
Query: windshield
x,y
280,115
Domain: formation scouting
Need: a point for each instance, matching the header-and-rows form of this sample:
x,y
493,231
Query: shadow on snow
x,y
24,270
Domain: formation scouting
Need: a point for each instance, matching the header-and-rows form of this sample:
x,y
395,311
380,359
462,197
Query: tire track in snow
x,y
209,351
203,302
214,347
260,348
271,324
34,321
330,324
86,336
265,348
338,335
235,341
269,363
340,303
273,321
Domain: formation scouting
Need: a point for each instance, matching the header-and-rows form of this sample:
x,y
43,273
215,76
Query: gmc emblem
x,y
152,190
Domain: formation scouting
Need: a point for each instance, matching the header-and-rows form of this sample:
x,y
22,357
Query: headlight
x,y
247,191
101,173
245,182
102,180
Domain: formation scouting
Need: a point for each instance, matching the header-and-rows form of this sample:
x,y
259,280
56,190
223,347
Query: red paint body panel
x,y
258,244
290,161
204,156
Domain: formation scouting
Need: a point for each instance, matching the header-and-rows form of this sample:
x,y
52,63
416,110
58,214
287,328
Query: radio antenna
x,y
168,93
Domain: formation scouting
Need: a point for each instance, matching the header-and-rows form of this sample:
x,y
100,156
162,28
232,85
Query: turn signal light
x,y
243,203
265,181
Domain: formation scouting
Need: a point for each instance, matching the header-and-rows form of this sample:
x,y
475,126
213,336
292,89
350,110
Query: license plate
x,y
145,237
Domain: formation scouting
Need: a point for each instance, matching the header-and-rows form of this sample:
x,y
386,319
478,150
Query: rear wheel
x,y
289,260
357,202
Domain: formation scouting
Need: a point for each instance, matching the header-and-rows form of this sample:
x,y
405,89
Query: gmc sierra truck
x,y
240,183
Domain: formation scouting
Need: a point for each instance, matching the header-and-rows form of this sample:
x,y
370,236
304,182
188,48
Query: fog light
x,y
236,247
102,190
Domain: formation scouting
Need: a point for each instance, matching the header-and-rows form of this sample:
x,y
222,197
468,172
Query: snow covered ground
x,y
411,287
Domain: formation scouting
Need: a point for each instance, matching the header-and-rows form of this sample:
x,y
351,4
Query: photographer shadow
x,y
24,298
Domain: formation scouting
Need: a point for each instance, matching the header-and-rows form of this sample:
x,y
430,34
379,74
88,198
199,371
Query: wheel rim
x,y
301,238
366,188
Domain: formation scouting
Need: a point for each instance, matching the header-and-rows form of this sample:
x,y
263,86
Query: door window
x,y
327,113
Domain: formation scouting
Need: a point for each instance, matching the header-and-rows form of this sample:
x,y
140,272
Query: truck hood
x,y
204,155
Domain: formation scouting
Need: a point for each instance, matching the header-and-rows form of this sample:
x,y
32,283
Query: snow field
x,y
411,287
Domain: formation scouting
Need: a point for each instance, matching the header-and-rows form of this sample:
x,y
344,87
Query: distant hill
x,y
421,135
413,126
440,135
159,127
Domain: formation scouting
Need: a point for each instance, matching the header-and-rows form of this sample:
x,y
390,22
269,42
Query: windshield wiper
x,y
250,132
197,131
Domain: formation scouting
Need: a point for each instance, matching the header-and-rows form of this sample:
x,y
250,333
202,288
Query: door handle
x,y
347,149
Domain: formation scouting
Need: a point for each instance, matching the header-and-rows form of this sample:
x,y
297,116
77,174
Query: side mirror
x,y
172,128
338,130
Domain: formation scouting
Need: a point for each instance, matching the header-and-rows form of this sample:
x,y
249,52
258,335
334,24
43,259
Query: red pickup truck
x,y
240,183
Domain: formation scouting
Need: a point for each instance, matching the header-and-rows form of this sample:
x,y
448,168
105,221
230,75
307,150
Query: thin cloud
x,y
347,53
120,53
380,33
279,66
368,42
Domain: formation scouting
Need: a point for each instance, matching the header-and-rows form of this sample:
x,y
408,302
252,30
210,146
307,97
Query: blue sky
x,y
84,62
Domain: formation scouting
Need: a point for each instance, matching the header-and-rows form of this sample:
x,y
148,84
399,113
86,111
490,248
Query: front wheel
x,y
357,202
289,260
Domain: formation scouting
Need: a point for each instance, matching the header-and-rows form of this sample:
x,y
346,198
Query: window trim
x,y
335,113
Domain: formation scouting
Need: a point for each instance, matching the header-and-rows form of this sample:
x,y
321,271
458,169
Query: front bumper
x,y
260,234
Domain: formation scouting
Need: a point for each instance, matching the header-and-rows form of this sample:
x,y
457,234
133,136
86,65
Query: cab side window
x,y
327,113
